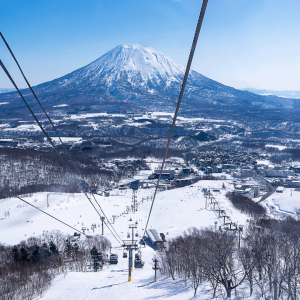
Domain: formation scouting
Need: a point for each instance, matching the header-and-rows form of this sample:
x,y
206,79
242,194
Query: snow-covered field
x,y
284,203
174,211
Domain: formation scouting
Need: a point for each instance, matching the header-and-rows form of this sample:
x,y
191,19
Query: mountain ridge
x,y
136,78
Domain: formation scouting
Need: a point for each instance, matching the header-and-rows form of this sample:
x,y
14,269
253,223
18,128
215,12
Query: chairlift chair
x,y
138,263
113,259
128,235
124,254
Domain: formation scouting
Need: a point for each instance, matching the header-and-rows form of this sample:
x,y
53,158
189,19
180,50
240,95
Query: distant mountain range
x,y
133,78
5,90
283,94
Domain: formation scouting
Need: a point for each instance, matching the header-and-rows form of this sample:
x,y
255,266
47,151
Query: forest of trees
x,y
266,265
26,269
30,171
246,205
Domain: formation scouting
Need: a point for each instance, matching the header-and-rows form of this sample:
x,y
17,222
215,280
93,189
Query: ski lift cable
x,y
49,215
41,127
66,150
187,70
107,219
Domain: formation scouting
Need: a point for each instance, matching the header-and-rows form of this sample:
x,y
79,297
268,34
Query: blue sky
x,y
243,43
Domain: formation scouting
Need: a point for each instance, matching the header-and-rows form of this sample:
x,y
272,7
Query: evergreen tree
x,y
35,255
95,259
45,250
223,186
45,246
68,248
24,255
15,254
76,249
53,248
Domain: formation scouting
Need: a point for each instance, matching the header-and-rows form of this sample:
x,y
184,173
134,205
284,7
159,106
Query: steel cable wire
x,y
187,70
9,194
66,150
41,127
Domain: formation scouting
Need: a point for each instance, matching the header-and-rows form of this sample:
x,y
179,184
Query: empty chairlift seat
x,y
113,259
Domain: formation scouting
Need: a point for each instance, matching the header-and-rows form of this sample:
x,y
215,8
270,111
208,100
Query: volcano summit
x,y
133,78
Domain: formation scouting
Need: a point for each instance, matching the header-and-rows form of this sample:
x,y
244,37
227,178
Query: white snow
x,y
286,202
279,147
61,105
173,212
25,127
1,103
145,61
94,115
137,61
66,139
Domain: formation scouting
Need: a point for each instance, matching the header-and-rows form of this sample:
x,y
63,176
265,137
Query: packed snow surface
x,y
284,203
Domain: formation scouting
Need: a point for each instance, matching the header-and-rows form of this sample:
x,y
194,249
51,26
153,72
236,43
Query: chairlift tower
x,y
130,247
134,200
134,186
216,222
132,226
102,221
93,227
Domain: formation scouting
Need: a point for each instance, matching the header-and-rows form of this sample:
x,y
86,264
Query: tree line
x,y
26,269
246,205
265,265
29,171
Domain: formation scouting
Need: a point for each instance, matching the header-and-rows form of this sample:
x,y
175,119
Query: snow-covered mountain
x,y
283,94
126,65
136,78
5,90
137,62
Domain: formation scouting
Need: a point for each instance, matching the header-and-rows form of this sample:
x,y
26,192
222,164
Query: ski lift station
x,y
154,237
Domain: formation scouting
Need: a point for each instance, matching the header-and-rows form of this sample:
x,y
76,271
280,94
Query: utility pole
x,y
47,201
155,267
102,220
114,217
132,226
216,222
93,227
83,229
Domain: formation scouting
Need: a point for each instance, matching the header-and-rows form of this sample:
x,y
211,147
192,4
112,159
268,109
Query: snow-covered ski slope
x,y
174,211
